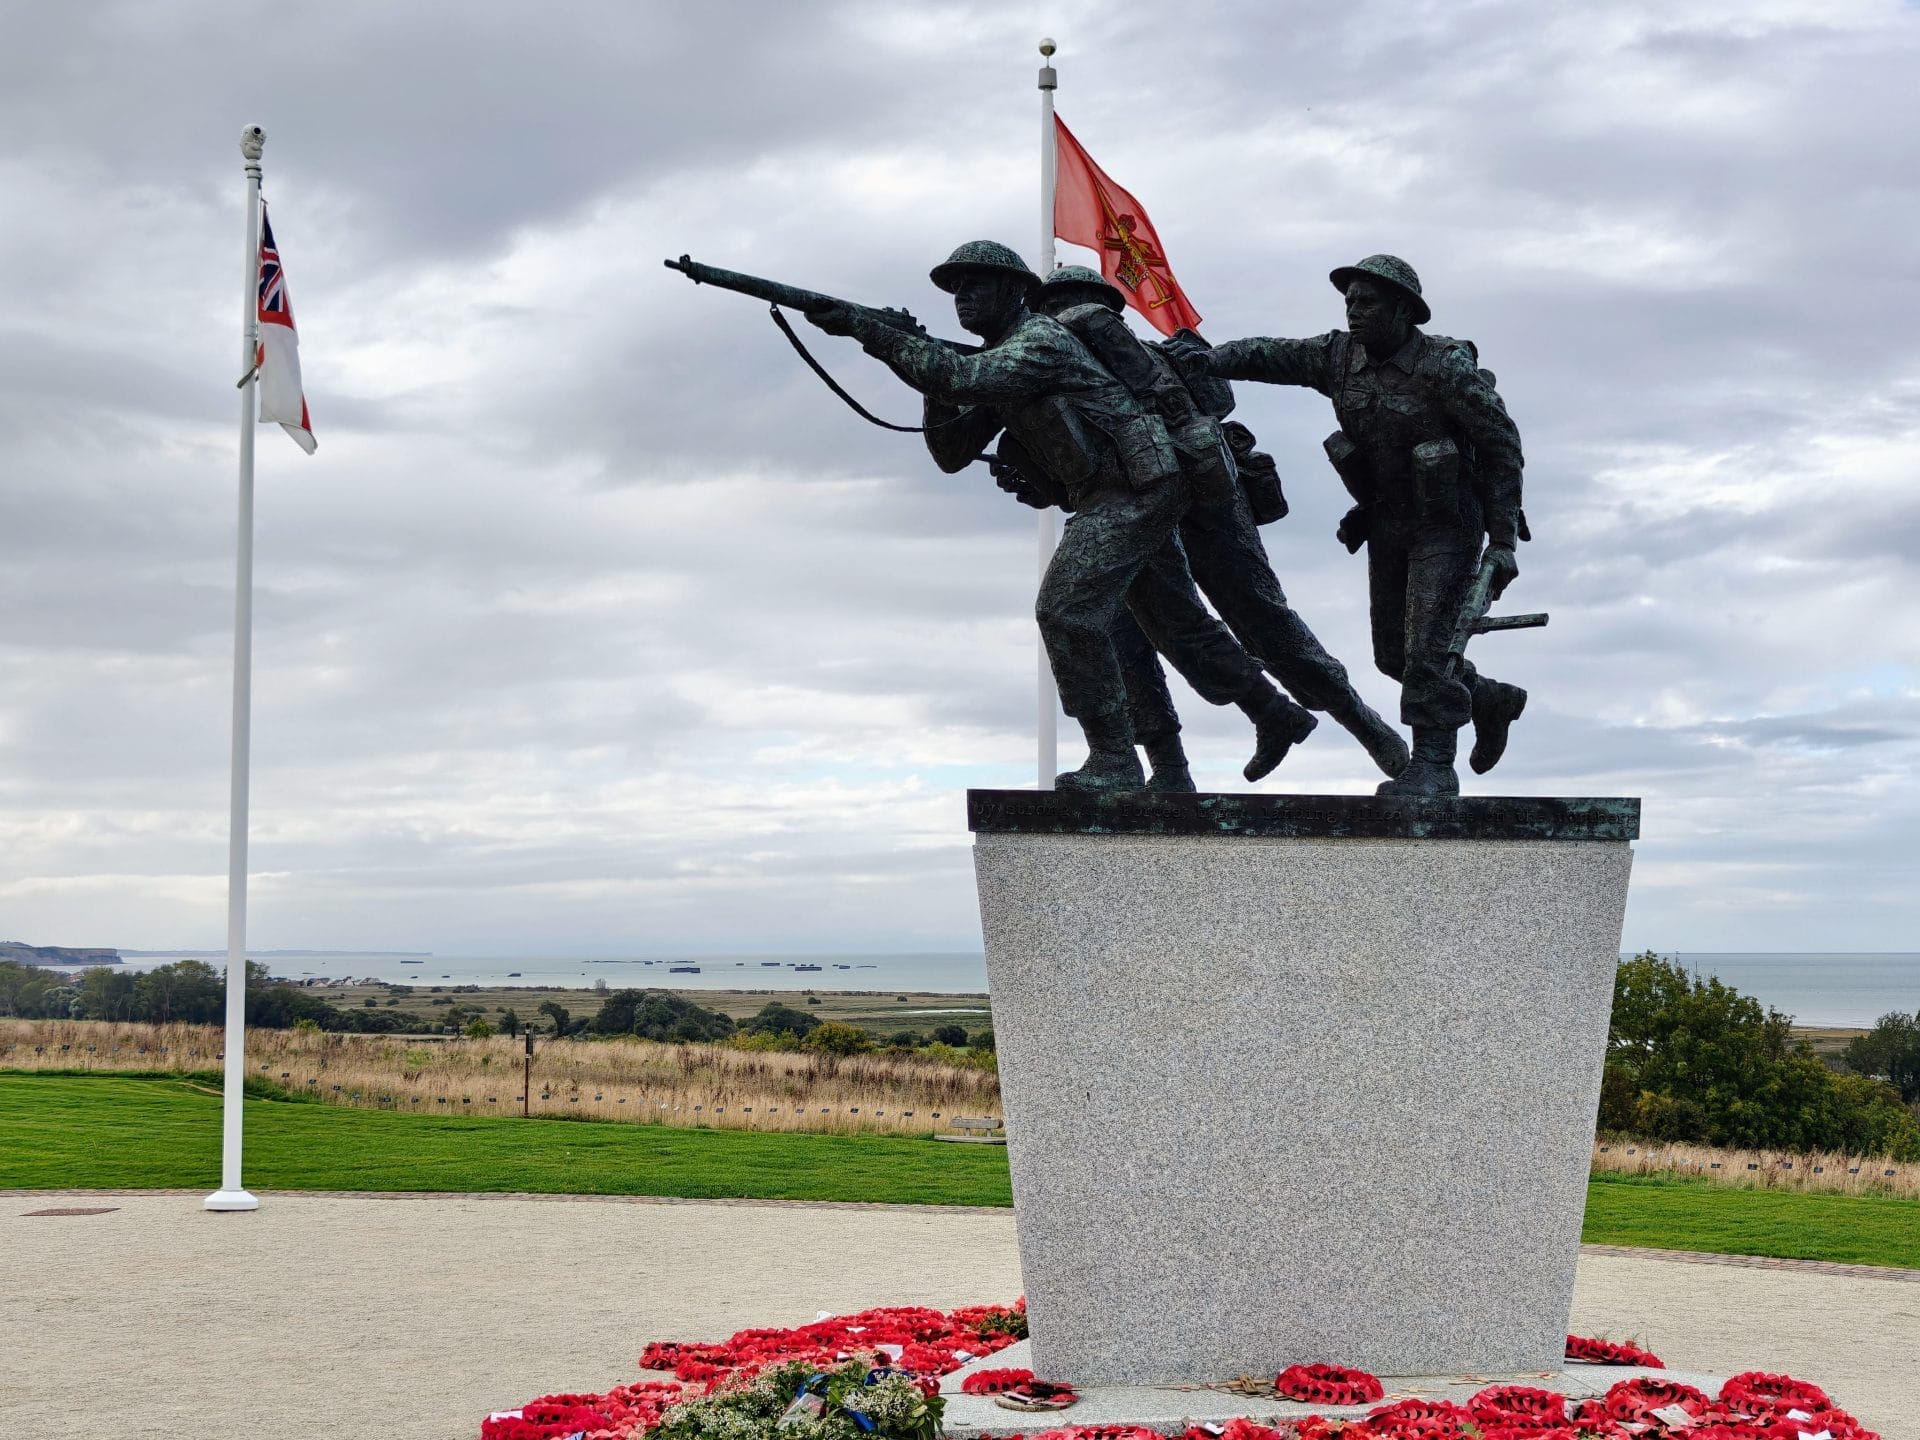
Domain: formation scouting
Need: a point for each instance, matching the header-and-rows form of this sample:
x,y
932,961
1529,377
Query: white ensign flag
x,y
278,355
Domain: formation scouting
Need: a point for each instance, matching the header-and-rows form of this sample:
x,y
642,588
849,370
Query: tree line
x,y
187,992
655,1015
192,992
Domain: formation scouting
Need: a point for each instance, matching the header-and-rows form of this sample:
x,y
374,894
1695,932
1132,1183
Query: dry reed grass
x,y
632,1080
647,1083
1818,1170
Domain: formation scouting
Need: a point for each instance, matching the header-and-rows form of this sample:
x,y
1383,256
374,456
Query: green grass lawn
x,y
1724,1219
98,1132
116,1132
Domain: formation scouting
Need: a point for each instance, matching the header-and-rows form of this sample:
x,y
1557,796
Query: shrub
x,y
1691,1059
834,1038
765,1041
774,1017
1891,1052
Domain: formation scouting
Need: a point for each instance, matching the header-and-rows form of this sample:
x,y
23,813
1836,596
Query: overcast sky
x,y
597,623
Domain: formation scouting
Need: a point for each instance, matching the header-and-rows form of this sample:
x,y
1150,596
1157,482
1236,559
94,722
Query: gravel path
x,y
371,1317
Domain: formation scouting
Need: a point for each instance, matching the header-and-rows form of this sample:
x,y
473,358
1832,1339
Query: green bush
x,y
1692,1059
655,1015
774,1017
764,1041
834,1038
1890,1052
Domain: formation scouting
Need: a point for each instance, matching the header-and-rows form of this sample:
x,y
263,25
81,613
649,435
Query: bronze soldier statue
x,y
1433,462
1084,435
1219,533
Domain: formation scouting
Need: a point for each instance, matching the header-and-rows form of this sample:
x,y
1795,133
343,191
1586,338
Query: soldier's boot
x,y
1111,764
1169,761
1495,707
1430,772
1380,740
1278,726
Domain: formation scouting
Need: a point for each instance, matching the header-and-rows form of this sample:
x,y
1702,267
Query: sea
x,y
956,973
1840,989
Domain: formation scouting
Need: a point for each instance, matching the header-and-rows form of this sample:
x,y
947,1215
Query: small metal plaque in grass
x,y
73,1210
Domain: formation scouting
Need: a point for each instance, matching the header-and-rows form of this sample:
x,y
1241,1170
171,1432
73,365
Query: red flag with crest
x,y
1090,210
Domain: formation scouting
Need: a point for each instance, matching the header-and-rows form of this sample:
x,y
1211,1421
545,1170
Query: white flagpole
x,y
1049,740
232,1195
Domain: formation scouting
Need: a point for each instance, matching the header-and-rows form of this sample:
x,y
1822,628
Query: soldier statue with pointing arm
x,y
1433,462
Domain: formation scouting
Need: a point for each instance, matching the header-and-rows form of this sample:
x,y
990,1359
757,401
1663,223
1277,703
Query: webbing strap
x,y
834,385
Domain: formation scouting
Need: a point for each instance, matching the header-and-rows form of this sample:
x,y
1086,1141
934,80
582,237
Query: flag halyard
x,y
277,353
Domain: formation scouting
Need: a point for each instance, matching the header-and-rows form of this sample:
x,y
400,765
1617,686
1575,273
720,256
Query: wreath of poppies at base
x,y
904,1350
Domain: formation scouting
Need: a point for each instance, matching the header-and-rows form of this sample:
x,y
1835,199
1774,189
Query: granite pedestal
x,y
1298,1078
1173,1410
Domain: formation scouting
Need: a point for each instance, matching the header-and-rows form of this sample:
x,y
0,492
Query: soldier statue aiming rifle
x,y
1433,462
1082,435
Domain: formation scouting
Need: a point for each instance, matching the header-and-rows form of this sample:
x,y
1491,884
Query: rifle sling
x,y
834,385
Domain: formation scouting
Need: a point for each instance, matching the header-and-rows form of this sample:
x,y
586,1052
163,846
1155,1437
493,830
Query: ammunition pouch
x,y
1206,462
1212,394
1146,450
1260,483
1176,408
1436,482
1356,528
1350,465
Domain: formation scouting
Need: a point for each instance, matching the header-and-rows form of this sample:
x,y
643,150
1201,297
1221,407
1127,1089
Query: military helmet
x,y
1393,271
982,255
1079,277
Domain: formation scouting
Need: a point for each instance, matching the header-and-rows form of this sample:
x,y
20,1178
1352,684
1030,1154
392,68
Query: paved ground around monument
x,y
411,1317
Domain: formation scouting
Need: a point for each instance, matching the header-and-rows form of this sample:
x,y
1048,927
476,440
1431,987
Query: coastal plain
x,y
882,1011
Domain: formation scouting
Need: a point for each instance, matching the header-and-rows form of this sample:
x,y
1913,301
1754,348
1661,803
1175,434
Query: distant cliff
x,y
55,954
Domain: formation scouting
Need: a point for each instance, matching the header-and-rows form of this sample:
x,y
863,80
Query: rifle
x,y
777,293
1474,619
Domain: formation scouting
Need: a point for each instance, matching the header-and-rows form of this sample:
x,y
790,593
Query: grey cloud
x,y
587,558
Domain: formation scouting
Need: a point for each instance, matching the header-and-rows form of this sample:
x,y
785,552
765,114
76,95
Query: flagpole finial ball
x,y
252,141
1046,45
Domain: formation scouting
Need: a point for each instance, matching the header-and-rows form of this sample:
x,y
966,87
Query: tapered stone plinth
x,y
1299,1078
